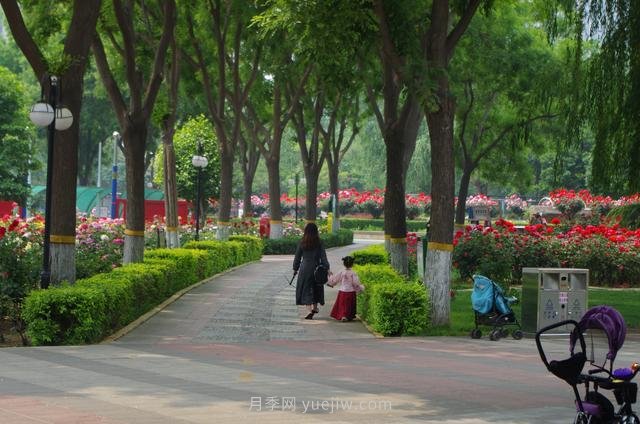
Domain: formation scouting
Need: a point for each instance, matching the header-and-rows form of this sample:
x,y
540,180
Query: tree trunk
x,y
395,222
170,191
134,139
273,169
310,203
63,190
463,192
226,190
440,247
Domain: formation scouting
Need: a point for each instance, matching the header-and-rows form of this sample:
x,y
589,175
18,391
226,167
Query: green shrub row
x,y
389,303
415,226
288,245
374,254
97,306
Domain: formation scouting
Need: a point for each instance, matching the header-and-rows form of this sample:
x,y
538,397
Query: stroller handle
x,y
576,329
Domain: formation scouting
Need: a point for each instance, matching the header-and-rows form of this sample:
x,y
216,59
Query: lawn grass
x,y
462,318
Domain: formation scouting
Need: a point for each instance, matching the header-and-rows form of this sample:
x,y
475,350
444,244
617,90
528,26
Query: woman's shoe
x,y
309,315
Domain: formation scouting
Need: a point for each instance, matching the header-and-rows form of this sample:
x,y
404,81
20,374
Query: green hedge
x,y
288,245
415,226
374,254
390,304
95,307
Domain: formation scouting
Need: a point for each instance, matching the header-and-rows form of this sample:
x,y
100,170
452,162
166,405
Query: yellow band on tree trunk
x,y
440,246
134,233
62,239
275,221
398,240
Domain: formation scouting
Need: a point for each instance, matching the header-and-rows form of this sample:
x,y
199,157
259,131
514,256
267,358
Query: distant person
x,y
309,254
345,307
537,218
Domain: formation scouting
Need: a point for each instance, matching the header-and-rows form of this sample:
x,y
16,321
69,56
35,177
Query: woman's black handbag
x,y
321,273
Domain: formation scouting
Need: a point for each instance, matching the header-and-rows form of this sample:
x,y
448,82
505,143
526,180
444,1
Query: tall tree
x,y
69,64
449,21
342,127
606,84
216,33
505,78
136,47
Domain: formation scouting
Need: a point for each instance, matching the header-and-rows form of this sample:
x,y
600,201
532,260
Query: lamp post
x,y
297,182
114,176
48,113
199,162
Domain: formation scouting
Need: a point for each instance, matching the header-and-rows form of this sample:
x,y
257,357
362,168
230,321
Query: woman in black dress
x,y
309,254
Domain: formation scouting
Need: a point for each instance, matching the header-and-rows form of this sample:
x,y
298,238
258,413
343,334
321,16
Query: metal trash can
x,y
551,295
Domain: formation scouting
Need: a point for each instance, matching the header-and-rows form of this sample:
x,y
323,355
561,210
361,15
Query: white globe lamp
x,y
41,114
64,119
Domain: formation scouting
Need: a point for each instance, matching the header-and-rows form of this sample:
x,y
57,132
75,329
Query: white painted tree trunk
x,y
223,232
335,224
398,255
276,230
63,263
172,238
436,278
133,249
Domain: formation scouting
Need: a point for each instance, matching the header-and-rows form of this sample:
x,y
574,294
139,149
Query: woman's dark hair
x,y
311,238
348,261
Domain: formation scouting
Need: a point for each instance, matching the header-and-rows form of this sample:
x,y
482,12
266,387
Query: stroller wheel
x,y
476,333
494,335
504,332
517,334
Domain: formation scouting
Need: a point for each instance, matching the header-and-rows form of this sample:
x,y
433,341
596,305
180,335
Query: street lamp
x,y
48,113
199,162
114,176
297,182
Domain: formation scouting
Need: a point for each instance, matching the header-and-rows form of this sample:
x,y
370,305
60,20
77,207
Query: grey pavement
x,y
236,349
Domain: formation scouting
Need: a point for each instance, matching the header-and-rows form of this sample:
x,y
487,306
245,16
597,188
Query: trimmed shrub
x,y
191,266
65,315
253,247
371,275
399,308
374,254
389,303
364,224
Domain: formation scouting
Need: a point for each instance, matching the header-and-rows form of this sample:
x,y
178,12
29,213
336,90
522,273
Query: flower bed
x,y
611,253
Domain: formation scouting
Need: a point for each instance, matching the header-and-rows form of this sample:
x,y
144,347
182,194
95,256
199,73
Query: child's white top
x,y
348,280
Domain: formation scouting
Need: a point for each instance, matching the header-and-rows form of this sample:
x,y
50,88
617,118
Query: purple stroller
x,y
595,340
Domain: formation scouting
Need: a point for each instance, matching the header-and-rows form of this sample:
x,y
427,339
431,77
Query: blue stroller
x,y
492,308
594,341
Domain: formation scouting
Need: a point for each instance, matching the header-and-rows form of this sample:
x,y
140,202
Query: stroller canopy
x,y
485,294
608,320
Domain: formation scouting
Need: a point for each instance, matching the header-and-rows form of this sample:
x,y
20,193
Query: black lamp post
x,y
114,176
199,162
297,182
48,113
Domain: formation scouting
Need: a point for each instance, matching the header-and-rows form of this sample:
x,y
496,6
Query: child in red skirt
x,y
345,307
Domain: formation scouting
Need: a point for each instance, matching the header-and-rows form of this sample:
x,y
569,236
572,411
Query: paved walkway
x,y
235,350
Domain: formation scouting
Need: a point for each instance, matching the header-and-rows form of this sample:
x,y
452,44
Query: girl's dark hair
x,y
348,261
311,238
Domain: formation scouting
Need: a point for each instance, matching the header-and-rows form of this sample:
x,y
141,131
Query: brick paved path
x,y
235,350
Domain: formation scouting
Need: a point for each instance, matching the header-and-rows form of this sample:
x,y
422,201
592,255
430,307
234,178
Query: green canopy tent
x,y
88,199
